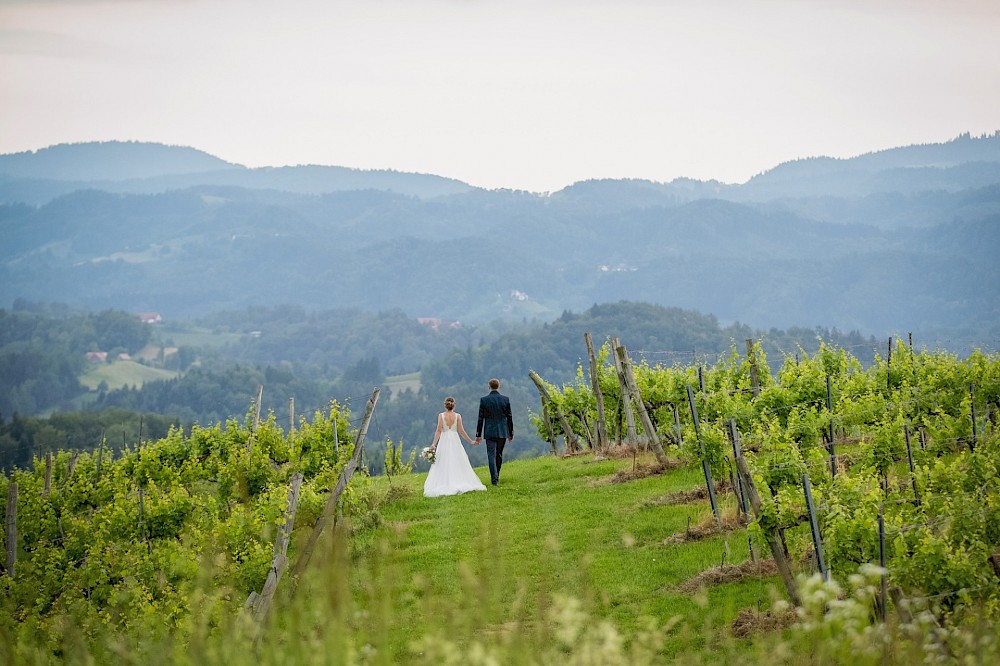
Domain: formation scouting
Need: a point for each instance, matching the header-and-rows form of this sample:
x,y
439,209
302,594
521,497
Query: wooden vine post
x,y
777,550
100,454
633,391
972,406
705,467
142,522
678,433
601,435
48,474
741,496
588,434
11,527
754,376
334,499
259,604
543,391
260,397
888,367
883,595
256,418
550,434
72,467
741,491
913,469
830,435
626,404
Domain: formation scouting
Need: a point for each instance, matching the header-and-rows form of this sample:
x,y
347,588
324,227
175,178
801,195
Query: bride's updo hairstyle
x,y
449,403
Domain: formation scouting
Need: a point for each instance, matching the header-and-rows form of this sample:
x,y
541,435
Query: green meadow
x,y
495,561
118,374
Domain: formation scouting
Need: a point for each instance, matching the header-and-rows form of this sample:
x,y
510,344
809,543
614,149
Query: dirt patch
x,y
729,574
624,451
696,494
643,470
750,622
730,522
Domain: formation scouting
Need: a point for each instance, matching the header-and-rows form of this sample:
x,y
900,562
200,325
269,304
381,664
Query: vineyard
x,y
97,544
835,469
877,485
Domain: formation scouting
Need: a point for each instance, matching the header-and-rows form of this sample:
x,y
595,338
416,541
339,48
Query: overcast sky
x,y
528,95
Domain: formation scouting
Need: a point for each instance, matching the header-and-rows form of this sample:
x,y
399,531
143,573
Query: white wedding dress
x,y
451,473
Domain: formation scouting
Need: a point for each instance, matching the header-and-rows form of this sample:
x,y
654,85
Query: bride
x,y
451,473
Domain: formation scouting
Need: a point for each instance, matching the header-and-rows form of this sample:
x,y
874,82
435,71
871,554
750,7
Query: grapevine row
x,y
909,443
111,541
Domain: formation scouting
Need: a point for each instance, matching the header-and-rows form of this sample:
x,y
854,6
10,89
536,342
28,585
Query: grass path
x,y
480,561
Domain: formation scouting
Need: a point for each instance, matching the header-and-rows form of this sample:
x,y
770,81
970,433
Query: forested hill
x,y
219,361
37,177
107,162
885,243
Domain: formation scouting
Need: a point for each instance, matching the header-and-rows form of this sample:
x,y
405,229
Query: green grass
x,y
559,565
553,526
399,383
122,373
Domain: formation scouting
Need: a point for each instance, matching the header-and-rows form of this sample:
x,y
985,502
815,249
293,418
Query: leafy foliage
x,y
940,521
120,539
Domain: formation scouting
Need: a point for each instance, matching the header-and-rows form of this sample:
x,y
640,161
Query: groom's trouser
x,y
494,456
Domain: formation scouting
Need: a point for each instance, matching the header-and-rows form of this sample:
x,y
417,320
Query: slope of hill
x,y
109,161
957,164
889,242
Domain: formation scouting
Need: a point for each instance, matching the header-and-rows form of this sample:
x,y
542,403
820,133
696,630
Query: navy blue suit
x,y
496,426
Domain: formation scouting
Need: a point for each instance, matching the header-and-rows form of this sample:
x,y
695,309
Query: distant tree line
x,y
24,439
333,340
213,395
220,388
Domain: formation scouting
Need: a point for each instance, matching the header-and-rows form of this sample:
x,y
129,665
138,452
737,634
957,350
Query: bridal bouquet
x,y
427,453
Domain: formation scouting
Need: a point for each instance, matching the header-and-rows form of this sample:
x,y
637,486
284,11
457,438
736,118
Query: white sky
x,y
503,93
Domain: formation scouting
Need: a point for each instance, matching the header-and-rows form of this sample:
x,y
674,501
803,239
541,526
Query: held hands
x,y
476,443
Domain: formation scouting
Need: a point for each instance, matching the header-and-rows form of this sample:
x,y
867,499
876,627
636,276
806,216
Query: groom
x,y
497,425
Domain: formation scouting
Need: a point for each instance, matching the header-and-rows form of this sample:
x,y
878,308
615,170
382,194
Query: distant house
x,y
437,324
97,357
124,357
150,317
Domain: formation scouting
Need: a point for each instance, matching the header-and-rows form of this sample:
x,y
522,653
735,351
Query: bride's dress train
x,y
451,473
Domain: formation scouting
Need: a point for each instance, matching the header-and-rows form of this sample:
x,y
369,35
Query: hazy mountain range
x,y
889,242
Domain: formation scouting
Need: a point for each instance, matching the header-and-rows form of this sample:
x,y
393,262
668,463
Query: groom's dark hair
x,y
494,384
